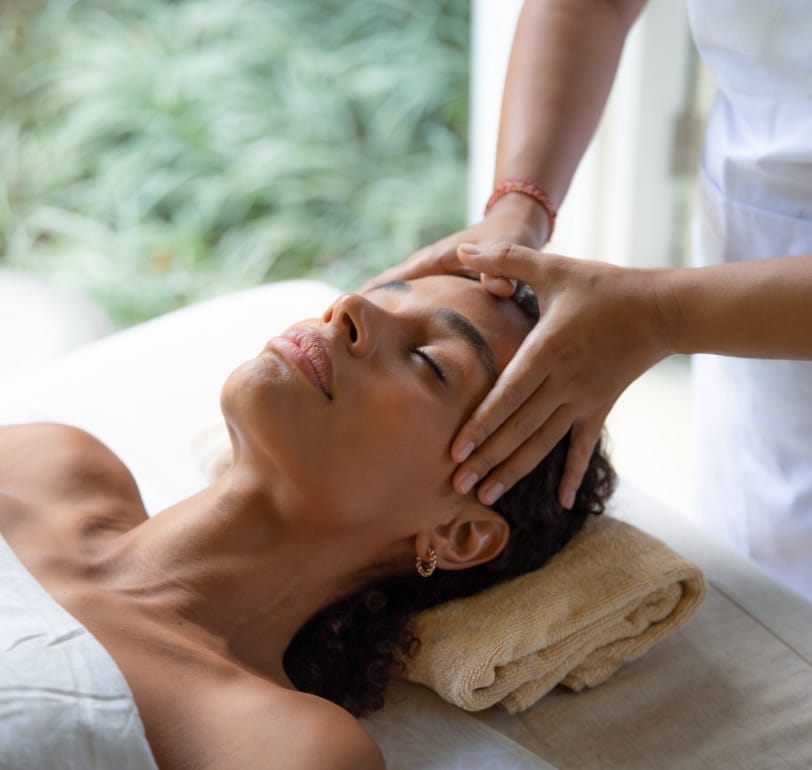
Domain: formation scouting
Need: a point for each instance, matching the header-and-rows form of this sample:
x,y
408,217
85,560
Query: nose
x,y
351,315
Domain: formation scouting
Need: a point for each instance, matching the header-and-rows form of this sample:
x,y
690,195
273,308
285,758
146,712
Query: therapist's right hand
x,y
601,327
512,219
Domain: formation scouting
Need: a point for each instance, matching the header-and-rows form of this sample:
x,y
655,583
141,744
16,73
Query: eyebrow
x,y
460,326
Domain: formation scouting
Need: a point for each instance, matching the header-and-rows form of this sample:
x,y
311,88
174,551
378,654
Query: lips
x,y
310,353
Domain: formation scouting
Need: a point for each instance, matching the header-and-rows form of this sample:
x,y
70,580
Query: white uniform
x,y
754,418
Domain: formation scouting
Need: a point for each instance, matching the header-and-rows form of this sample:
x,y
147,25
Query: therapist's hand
x,y
601,327
512,219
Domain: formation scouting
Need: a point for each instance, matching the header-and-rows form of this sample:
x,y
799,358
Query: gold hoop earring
x,y
426,568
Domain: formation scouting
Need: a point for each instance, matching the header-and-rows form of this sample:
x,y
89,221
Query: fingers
x,y
520,433
498,286
502,259
415,267
437,259
440,257
521,461
529,454
585,435
520,379
443,257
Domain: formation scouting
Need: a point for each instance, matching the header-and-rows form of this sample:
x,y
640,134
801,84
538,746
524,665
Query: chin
x,y
254,401
262,385
269,414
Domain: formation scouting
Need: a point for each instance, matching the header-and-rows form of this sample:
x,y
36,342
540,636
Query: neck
x,y
228,567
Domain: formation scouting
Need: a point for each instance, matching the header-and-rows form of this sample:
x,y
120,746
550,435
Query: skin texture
x,y
563,62
198,604
602,326
553,98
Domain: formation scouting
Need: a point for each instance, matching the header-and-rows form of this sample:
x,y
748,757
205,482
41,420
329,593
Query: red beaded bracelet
x,y
525,187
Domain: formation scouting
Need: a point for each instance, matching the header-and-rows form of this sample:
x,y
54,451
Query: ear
x,y
474,536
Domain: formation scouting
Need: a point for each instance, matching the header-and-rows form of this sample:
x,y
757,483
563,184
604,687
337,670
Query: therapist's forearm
x,y
759,309
562,65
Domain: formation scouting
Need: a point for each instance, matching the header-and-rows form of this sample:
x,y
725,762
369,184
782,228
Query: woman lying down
x,y
252,620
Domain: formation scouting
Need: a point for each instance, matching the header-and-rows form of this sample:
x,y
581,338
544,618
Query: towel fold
x,y
602,601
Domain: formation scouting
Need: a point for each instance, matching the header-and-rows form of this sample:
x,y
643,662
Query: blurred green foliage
x,y
153,153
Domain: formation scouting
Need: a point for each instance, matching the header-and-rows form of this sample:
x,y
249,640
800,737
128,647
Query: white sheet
x,y
152,393
63,701
416,730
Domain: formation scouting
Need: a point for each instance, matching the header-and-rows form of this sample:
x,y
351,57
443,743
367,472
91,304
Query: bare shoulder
x,y
344,743
287,729
70,457
47,469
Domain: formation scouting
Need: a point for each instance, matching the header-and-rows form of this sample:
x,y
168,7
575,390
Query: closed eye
x,y
432,362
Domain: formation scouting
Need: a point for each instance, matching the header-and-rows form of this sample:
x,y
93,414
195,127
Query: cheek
x,y
393,453
379,449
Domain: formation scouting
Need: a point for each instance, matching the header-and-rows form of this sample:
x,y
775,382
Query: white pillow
x,y
152,391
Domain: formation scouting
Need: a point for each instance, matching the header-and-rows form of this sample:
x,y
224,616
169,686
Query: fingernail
x,y
467,482
465,452
492,493
469,248
568,499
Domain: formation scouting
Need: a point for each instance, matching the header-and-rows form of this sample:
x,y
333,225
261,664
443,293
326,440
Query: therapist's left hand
x,y
601,327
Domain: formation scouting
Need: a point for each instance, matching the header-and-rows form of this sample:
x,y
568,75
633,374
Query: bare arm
x,y
759,309
263,729
563,61
62,480
601,328
562,65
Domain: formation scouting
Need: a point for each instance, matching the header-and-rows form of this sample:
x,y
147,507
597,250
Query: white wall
x,y
620,207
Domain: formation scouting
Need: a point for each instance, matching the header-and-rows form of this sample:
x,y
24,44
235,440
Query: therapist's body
x,y
755,203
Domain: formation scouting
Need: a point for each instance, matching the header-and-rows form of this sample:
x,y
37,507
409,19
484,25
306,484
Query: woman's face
x,y
352,415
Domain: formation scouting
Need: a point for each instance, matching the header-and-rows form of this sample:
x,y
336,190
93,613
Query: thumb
x,y
499,287
501,259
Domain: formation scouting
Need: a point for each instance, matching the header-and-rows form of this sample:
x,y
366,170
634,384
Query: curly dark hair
x,y
349,651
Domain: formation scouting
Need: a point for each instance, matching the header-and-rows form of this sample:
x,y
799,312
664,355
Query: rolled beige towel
x,y
602,601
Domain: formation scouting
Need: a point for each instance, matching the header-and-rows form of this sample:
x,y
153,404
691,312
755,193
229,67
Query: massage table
x,y
731,689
